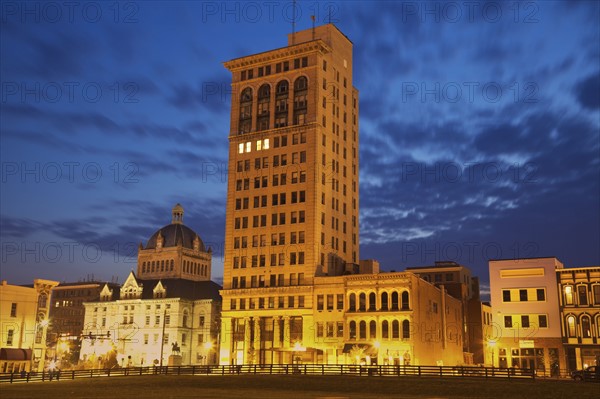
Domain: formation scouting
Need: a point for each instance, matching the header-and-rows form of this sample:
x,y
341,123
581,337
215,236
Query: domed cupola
x,y
176,234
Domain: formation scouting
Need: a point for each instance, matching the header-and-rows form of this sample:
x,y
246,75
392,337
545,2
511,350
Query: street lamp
x,y
297,348
208,345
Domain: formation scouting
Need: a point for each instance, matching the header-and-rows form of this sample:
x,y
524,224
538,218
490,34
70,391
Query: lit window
x,y
241,148
258,145
571,326
568,295
586,329
266,144
248,146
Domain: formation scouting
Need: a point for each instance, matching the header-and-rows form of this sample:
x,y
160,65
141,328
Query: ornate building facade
x,y
579,296
166,314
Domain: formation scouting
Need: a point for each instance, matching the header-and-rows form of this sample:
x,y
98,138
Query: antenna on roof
x,y
294,23
313,26
329,14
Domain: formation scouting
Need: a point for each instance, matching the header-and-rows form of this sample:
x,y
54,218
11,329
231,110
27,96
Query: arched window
x,y
362,330
281,104
394,300
362,302
372,329
264,99
283,88
582,296
405,329
172,264
586,327
301,84
385,330
185,318
384,301
300,102
372,301
264,92
395,329
571,327
405,302
568,293
42,300
245,111
352,330
352,303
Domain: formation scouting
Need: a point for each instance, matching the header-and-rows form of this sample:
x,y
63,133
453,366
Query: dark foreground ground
x,y
301,387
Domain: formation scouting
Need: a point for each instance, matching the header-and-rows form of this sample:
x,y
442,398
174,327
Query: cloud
x,y
588,92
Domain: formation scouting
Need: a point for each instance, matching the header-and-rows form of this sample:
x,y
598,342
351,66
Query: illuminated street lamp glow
x,y
208,345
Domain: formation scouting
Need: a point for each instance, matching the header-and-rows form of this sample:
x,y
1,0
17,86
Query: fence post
x,y
419,370
12,375
441,372
108,372
193,370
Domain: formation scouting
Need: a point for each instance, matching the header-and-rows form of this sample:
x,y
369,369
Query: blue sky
x,y
479,127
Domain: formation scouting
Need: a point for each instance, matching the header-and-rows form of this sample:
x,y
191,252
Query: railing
x,y
279,369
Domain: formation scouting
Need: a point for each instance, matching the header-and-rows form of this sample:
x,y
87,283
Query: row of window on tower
x,y
277,219
279,67
296,237
279,179
275,259
280,103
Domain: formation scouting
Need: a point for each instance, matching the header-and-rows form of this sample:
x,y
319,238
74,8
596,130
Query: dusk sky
x,y
479,128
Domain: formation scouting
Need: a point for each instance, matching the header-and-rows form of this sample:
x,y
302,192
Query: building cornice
x,y
277,54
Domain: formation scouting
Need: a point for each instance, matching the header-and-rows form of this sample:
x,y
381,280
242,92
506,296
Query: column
x,y
286,332
276,332
256,333
247,334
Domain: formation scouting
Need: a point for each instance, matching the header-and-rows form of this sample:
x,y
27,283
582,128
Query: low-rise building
x,y
67,314
24,320
579,296
383,318
458,282
526,315
155,322
166,313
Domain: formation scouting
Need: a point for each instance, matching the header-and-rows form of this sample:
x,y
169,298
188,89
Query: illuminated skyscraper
x,y
292,201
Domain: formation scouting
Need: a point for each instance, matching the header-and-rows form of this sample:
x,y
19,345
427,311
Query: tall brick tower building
x,y
293,200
